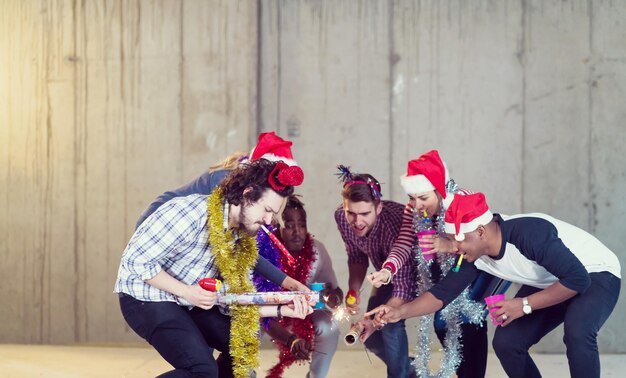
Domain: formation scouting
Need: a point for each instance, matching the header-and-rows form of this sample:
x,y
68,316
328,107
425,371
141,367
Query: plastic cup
x,y
491,300
318,287
420,235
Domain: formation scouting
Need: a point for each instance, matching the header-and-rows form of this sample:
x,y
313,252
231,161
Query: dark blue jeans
x,y
582,317
390,344
183,337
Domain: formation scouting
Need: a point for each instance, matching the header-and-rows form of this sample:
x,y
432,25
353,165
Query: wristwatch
x,y
388,277
526,307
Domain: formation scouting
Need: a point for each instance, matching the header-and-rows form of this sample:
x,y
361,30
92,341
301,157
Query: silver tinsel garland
x,y
451,314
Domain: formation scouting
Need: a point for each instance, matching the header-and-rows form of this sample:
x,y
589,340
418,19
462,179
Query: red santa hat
x,y
427,172
273,148
465,214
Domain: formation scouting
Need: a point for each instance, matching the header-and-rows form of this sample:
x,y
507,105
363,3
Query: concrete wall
x,y
523,100
106,104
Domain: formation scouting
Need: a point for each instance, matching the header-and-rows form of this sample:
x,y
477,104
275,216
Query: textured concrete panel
x,y
607,141
327,83
457,87
93,130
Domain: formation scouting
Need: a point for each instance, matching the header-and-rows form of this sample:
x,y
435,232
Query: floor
x,y
25,361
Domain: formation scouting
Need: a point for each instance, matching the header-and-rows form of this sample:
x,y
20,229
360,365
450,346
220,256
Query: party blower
x,y
260,298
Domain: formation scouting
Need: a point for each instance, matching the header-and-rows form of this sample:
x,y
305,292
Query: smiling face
x,y
425,201
361,216
294,230
253,215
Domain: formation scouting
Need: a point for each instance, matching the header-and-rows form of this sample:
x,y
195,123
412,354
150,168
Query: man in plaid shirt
x,y
170,253
369,228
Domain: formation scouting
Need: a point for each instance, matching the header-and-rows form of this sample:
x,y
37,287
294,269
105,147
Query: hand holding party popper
x,y
210,284
353,335
351,297
361,331
279,245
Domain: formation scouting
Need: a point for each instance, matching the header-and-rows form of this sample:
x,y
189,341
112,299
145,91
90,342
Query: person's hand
x,y
300,308
384,314
367,327
438,244
300,348
510,309
382,277
352,308
197,296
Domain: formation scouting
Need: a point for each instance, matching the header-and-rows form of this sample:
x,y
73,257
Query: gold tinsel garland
x,y
234,261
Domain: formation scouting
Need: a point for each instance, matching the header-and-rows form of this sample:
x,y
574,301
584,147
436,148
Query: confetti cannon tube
x,y
353,335
267,298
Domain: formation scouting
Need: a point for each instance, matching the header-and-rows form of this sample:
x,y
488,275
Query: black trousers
x,y
183,337
582,317
474,349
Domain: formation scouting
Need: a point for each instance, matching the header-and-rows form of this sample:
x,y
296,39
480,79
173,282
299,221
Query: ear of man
x,y
379,208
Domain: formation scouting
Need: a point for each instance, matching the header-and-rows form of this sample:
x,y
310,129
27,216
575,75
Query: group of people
x,y
214,228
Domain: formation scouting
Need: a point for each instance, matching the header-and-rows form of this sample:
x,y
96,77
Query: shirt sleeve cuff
x,y
150,272
390,264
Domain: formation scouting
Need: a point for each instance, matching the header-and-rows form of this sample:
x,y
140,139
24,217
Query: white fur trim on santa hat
x,y
420,183
415,184
483,219
448,200
272,157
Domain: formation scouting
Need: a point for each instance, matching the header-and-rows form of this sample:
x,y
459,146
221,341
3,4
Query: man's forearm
x,y
423,305
553,294
293,285
395,302
356,276
167,283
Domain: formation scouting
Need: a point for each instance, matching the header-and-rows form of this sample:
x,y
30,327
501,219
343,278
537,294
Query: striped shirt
x,y
174,239
377,244
402,250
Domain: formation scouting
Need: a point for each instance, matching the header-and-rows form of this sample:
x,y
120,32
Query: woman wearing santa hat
x,y
567,276
430,190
